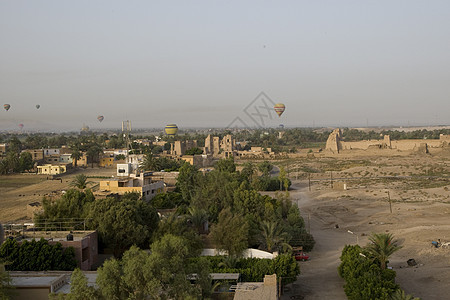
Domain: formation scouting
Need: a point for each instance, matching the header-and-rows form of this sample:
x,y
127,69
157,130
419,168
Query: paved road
x,y
319,278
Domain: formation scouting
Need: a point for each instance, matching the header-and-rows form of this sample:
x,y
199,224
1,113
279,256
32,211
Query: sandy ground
x,y
29,188
415,224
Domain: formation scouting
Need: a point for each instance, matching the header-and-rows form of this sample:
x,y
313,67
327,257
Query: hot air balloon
x,y
21,126
279,108
6,106
100,118
38,106
171,129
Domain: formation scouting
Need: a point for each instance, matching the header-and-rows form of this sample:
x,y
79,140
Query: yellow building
x,y
50,169
141,184
106,161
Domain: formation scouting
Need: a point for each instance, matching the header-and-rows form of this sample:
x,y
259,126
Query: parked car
x,y
301,256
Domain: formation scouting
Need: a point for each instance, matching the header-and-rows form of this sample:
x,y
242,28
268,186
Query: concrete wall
x,y
27,293
86,250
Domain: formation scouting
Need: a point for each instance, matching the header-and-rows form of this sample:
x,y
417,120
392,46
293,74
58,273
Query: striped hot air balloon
x,y
279,108
6,106
100,118
171,129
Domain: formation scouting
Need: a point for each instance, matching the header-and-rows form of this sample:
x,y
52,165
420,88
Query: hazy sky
x,y
201,63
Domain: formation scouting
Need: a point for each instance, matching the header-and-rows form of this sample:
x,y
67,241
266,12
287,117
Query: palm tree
x,y
381,247
273,237
80,181
76,155
198,217
149,163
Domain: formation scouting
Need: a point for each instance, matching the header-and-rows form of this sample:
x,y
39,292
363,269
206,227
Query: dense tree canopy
x,y
364,279
123,222
36,256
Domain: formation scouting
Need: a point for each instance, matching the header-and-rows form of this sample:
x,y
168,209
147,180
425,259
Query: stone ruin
x,y
334,141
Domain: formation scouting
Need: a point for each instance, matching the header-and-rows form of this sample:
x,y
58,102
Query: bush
x,y
37,256
254,269
364,279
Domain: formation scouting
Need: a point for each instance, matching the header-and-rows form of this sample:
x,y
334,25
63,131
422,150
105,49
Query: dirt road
x,y
319,278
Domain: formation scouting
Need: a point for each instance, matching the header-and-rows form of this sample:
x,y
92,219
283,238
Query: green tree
x,y
79,289
167,200
226,165
284,181
273,237
5,283
25,161
187,181
76,156
80,181
136,274
198,217
364,279
123,222
168,263
194,151
381,247
230,233
120,157
150,163
265,167
248,171
109,281
93,152
37,256
73,204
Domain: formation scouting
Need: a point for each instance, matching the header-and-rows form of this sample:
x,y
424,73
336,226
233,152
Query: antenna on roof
x,y
126,131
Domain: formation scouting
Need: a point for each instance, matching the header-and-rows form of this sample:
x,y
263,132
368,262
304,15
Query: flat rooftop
x,y
55,235
59,279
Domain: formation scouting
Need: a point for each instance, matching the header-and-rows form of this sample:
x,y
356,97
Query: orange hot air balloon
x,y
279,108
6,106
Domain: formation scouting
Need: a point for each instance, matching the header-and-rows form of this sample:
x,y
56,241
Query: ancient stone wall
x,y
335,143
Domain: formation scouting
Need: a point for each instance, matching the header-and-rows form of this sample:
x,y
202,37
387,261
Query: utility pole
x,y
309,181
331,179
309,223
390,203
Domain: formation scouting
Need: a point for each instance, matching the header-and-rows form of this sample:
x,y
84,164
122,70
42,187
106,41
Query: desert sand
x,y
420,215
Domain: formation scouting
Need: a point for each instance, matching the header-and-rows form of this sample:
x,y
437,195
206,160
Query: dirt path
x,y
319,278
